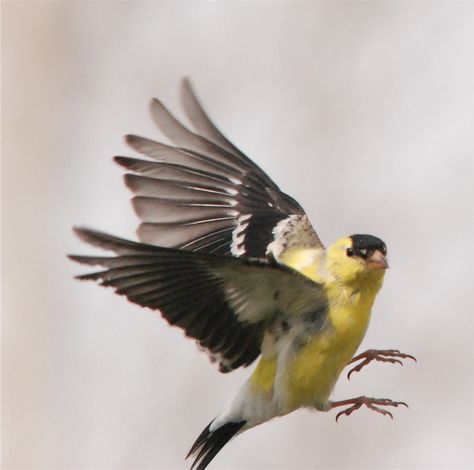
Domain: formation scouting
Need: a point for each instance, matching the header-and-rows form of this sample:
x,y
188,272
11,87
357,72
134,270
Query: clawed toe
x,y
380,355
370,403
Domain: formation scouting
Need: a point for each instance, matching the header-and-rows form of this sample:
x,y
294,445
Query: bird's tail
x,y
211,441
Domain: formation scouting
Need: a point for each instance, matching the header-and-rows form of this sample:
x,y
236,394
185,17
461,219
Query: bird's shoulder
x,y
311,262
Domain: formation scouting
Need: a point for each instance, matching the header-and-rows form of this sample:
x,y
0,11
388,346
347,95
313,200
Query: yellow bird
x,y
233,261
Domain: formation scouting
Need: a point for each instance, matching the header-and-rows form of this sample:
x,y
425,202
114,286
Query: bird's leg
x,y
382,355
368,402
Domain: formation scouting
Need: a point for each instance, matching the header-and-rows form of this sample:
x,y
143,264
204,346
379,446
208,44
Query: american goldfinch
x,y
234,262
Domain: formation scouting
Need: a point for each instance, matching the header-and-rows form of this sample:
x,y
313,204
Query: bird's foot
x,y
368,402
381,355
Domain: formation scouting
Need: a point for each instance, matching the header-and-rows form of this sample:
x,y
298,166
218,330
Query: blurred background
x,y
364,112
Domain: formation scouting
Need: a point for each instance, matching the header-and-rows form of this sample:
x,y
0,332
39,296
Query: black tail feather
x,y
209,443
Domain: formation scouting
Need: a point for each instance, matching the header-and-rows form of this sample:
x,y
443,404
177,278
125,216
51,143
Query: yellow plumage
x,y
311,373
235,262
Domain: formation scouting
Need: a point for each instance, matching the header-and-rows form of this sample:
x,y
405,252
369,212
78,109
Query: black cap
x,y
367,242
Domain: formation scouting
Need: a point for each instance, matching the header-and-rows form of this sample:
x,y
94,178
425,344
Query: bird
x,y
226,256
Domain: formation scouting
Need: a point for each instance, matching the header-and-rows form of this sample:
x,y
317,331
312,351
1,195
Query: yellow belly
x,y
313,372
315,368
312,369
305,374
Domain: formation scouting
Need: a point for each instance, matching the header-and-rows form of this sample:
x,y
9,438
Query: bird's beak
x,y
377,261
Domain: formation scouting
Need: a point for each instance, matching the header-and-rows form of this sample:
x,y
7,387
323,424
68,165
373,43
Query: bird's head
x,y
358,258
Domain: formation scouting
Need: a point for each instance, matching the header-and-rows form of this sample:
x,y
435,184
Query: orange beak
x,y
377,261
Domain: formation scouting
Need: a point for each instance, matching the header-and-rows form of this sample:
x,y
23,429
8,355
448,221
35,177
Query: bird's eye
x,y
350,252
363,253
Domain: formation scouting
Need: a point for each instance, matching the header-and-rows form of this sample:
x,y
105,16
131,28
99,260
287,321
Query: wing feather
x,y
201,121
225,303
205,178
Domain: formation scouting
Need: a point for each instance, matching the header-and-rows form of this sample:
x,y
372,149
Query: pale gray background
x,y
362,111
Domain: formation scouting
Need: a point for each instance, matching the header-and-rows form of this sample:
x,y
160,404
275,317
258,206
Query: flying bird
x,y
233,261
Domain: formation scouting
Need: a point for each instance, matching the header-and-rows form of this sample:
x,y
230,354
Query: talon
x,y
348,411
380,410
369,403
383,355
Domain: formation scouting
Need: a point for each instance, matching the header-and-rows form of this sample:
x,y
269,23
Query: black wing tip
x,y
135,142
128,137
209,443
133,139
85,234
131,180
95,237
187,88
186,83
112,243
129,163
78,259
157,105
92,237
88,277
81,260
124,162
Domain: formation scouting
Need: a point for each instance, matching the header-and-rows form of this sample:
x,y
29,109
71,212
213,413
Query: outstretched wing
x,y
204,194
224,303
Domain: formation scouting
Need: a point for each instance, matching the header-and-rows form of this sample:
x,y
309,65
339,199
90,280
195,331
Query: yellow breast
x,y
315,367
307,375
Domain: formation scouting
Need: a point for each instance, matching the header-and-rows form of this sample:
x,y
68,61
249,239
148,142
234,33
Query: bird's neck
x,y
352,303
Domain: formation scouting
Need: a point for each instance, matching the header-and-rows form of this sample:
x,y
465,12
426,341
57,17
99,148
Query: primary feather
x,y
224,303
206,192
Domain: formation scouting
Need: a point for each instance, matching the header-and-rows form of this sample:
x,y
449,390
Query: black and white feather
x,y
209,443
203,194
225,303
